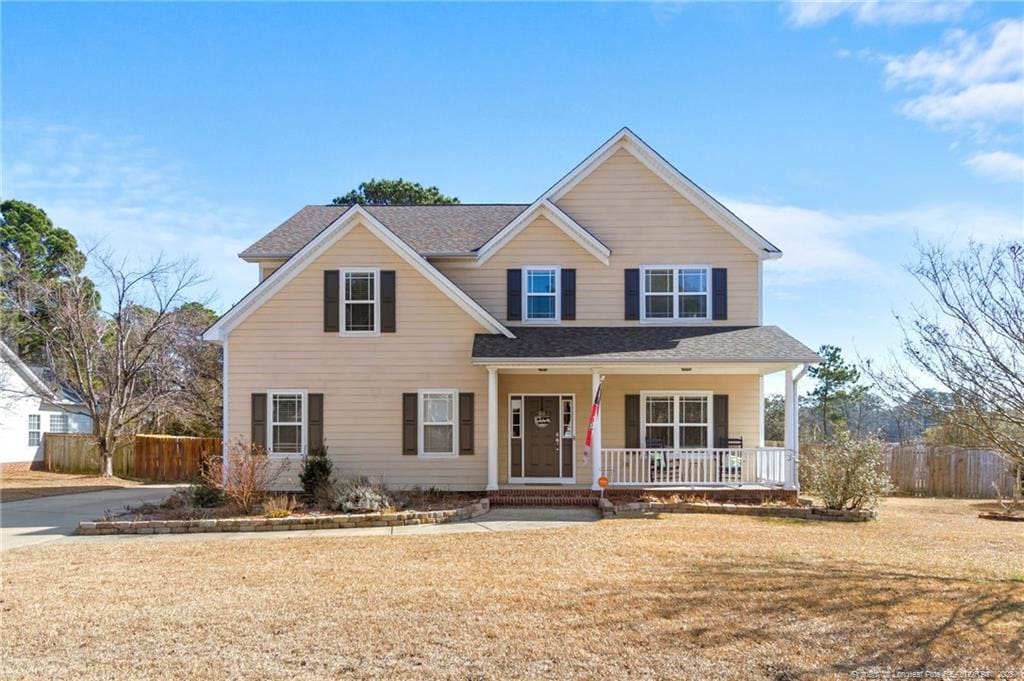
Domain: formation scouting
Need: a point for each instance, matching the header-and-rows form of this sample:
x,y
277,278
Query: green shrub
x,y
204,494
316,472
848,473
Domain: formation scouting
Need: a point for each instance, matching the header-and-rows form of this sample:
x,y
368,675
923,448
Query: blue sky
x,y
842,131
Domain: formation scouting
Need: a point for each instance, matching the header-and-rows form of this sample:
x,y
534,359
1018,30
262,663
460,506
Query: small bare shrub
x,y
250,474
848,473
279,506
362,496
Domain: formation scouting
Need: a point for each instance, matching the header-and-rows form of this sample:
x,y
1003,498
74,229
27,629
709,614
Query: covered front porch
x,y
658,427
681,408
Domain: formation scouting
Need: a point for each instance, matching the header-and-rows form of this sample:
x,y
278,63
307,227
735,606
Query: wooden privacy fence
x,y
164,458
79,453
921,470
157,458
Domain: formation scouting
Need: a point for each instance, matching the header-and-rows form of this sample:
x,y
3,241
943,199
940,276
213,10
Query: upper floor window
x,y
541,294
676,293
359,309
287,423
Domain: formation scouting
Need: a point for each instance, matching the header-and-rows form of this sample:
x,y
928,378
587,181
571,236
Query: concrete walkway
x,y
46,519
497,520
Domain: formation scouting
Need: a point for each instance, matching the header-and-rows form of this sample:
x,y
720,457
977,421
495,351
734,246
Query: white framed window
x,y
516,418
675,293
360,294
542,294
35,435
286,422
439,414
677,419
58,423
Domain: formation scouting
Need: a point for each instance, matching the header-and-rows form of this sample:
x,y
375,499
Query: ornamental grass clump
x,y
848,473
279,506
360,495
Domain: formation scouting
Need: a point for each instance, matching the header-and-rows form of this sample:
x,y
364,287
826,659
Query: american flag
x,y
594,409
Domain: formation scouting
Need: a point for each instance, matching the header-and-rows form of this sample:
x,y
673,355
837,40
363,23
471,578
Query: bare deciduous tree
x,y
119,356
970,341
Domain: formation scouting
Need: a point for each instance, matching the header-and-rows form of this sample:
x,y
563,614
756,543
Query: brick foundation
x,y
21,466
586,497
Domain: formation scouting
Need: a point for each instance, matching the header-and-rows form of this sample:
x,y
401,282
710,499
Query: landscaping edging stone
x,y
319,522
639,508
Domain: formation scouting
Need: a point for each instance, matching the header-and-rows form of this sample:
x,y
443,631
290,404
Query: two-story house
x,y
461,346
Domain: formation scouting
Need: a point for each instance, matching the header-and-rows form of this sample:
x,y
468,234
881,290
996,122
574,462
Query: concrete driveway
x,y
35,521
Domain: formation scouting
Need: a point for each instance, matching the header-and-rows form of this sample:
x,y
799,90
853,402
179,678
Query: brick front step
x,y
543,497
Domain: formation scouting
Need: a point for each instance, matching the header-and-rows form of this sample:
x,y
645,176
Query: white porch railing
x,y
765,466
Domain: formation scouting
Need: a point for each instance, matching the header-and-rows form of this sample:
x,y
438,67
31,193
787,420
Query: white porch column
x,y
492,429
595,439
790,423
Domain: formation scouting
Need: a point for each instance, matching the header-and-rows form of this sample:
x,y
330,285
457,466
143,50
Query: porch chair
x,y
730,466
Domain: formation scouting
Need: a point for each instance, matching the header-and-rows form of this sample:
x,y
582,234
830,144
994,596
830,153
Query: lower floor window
x,y
438,416
674,420
58,423
34,430
287,423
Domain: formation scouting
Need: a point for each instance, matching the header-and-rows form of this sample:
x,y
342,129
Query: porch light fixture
x,y
686,368
542,370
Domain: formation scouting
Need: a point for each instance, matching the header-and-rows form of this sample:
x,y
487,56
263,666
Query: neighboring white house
x,y
30,408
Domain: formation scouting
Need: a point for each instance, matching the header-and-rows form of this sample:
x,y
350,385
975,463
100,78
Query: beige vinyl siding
x,y
643,221
268,267
282,345
743,391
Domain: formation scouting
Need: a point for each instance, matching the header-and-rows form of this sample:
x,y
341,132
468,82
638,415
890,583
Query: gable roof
x,y
626,139
37,377
349,218
560,219
431,230
645,344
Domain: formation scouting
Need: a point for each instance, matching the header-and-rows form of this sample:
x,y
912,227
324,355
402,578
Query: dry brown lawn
x,y
927,587
20,485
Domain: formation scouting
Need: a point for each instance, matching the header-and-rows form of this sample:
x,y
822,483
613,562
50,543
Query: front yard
x,y
928,586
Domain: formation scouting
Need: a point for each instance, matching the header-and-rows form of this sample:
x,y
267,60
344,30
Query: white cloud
x,y
819,246
974,79
998,165
131,198
873,12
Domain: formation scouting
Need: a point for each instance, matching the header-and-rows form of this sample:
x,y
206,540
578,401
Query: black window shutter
x,y
465,424
387,301
632,421
719,293
721,425
569,294
258,419
632,289
410,432
315,438
514,287
331,293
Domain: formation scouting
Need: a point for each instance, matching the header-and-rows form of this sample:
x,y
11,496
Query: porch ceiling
x,y
629,346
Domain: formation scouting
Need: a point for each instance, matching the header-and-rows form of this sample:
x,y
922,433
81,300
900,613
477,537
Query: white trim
x,y
675,293
709,426
559,218
225,440
525,479
557,269
355,215
454,394
375,271
304,424
628,140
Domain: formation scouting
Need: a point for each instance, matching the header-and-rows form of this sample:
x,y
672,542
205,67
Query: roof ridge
x,y
413,205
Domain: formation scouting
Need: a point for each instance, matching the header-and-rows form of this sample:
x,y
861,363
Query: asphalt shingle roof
x,y
431,229
697,344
